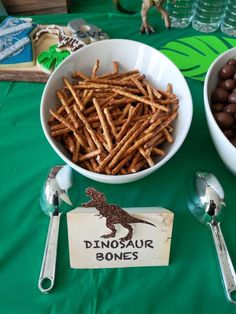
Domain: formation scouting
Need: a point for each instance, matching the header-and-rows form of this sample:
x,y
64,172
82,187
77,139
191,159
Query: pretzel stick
x,y
139,99
136,76
61,131
158,151
62,120
123,101
68,109
57,126
110,122
140,142
98,86
140,86
127,123
90,155
168,136
153,126
109,82
151,97
60,110
154,140
156,93
69,143
167,122
117,148
78,74
126,74
124,148
134,161
75,156
80,139
148,158
88,97
139,165
92,147
169,88
73,93
95,68
169,101
121,164
155,116
87,125
102,104
103,124
103,141
115,67
87,165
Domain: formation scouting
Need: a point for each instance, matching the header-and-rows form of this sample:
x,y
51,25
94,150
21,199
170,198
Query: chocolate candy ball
x,y
232,97
226,72
224,119
233,141
232,62
228,133
227,84
219,95
217,107
231,108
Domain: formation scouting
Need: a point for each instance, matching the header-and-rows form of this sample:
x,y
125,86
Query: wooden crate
x,y
31,7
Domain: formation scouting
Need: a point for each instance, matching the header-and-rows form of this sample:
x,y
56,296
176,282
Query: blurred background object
x,y
31,7
2,9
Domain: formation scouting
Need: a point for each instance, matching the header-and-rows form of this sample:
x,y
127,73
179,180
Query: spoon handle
x,y
47,274
226,266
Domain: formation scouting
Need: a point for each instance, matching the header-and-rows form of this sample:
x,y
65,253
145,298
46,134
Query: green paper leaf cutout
x,y
194,55
50,59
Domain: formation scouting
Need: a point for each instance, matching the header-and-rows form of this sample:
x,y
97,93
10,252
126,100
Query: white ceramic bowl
x,y
158,69
225,149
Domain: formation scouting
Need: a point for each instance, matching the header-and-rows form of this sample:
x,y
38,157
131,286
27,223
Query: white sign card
x,y
149,246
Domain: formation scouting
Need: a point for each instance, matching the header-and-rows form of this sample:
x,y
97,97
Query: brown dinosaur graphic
x,y
114,214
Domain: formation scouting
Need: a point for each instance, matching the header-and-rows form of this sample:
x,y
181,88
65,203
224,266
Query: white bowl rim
x,y
107,177
206,99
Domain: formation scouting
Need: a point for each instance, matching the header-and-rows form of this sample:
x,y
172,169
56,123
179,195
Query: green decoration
x,y
194,55
49,60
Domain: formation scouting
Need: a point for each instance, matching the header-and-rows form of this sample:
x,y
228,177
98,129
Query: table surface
x,y
190,284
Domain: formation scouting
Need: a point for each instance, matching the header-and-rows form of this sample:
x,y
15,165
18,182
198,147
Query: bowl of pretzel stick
x,y
116,110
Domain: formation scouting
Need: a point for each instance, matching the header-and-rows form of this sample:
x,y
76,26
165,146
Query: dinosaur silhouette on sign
x,y
114,214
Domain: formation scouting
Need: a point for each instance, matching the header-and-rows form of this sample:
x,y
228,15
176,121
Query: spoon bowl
x,y
207,199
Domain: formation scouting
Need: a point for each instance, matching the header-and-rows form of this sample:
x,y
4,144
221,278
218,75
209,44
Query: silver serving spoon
x,y
54,192
207,203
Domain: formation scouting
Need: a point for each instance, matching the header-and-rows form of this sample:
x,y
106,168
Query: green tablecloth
x,y
190,284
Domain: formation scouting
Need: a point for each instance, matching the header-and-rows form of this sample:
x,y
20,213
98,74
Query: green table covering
x,y
190,284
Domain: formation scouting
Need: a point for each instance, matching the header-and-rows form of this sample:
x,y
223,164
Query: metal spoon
x,y
54,192
207,203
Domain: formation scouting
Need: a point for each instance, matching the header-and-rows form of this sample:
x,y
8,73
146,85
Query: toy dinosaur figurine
x,y
146,5
113,214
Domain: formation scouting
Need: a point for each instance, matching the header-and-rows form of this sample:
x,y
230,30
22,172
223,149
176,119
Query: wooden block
x,y
149,246
32,73
31,7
